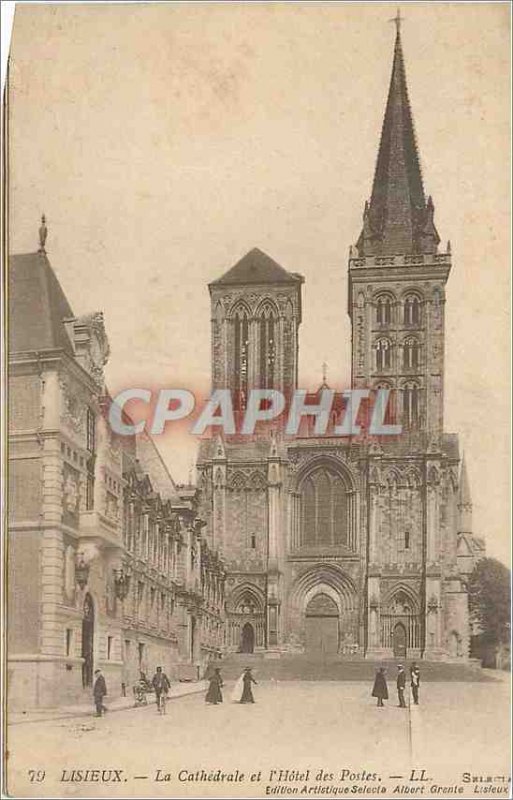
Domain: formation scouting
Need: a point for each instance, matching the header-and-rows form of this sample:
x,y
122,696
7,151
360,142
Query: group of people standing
x,y
380,688
160,684
242,691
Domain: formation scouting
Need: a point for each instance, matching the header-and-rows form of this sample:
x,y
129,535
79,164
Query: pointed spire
x,y
397,220
464,494
464,500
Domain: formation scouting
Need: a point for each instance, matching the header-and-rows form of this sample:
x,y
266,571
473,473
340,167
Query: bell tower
x,y
397,276
256,313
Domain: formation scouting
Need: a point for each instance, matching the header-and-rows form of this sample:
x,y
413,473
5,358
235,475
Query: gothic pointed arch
x,y
240,315
401,598
237,481
326,506
246,598
267,317
257,481
324,578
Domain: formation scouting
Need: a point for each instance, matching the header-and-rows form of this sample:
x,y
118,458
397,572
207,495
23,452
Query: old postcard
x,y
258,437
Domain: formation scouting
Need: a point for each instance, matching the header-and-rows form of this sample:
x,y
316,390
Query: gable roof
x,y
257,267
37,306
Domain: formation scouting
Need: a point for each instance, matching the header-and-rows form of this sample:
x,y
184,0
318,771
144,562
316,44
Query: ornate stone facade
x,y
357,544
107,562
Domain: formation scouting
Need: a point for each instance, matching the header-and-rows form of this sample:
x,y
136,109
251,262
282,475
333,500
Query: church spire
x,y
398,220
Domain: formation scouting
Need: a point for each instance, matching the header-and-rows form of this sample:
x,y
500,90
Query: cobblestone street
x,y
295,726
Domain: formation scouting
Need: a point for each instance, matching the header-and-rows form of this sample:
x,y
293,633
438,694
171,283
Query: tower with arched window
x,y
397,276
336,547
256,313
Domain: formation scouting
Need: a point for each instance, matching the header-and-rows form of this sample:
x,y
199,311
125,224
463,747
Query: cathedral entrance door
x,y
400,641
321,626
247,644
87,641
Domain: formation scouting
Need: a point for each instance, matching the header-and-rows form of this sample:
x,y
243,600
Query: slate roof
x,y
257,267
37,306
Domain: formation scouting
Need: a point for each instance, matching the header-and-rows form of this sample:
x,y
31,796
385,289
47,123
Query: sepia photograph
x,y
256,395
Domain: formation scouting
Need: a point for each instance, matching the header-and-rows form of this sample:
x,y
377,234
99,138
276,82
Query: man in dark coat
x,y
161,684
214,694
247,680
415,682
380,689
99,692
401,685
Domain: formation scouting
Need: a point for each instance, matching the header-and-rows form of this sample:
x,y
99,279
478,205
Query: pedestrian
x,y
214,694
99,692
401,685
247,680
161,685
415,682
380,688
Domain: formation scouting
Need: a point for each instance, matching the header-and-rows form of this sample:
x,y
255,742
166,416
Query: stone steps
x,y
302,667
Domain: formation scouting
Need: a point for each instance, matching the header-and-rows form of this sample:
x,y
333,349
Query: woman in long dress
x,y
214,694
247,680
380,689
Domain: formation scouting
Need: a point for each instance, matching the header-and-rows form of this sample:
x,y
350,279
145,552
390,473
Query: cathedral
x,y
359,545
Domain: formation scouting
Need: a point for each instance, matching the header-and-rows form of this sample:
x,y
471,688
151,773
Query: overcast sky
x,y
163,142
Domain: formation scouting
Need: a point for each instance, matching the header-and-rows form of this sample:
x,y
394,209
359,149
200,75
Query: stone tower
x,y
256,313
397,277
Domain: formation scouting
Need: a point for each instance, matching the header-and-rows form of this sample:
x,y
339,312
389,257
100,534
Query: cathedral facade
x,y
362,544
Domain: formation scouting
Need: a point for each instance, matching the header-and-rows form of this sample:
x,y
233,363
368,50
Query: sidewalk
x,y
87,710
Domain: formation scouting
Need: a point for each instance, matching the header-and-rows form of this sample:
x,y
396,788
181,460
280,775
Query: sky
x,y
165,141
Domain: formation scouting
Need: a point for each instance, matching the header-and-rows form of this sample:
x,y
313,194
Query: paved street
x,y
293,725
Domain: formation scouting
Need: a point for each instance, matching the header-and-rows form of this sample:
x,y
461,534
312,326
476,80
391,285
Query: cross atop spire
x,y
398,220
397,19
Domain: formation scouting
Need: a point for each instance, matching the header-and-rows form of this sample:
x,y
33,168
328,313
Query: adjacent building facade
x,y
347,545
107,563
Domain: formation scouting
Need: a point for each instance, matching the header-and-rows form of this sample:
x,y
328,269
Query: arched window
x,y
324,509
411,406
267,330
384,310
411,310
390,411
411,353
383,354
241,365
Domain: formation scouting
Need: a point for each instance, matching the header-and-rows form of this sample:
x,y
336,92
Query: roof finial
x,y
43,233
324,373
397,19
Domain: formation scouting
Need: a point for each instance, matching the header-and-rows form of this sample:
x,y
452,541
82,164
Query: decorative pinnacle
x,y
324,373
43,233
